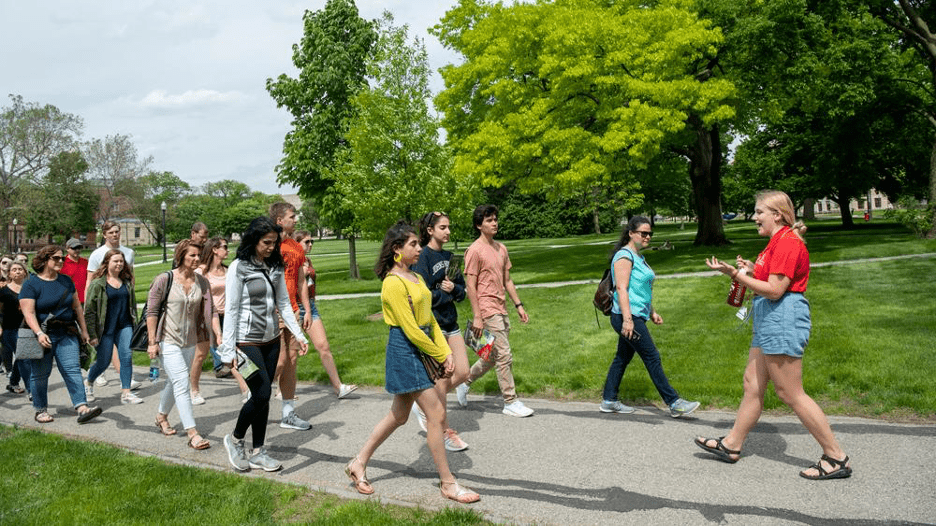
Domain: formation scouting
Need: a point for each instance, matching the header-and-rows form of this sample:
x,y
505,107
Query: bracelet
x,y
518,305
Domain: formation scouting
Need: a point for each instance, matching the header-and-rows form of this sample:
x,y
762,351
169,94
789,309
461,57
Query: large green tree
x,y
331,59
31,135
573,93
915,21
149,193
394,166
62,201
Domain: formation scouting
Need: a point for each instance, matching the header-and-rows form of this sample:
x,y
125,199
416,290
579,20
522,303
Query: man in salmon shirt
x,y
487,276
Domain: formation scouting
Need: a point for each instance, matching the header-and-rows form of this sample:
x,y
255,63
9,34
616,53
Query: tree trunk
x,y
705,175
595,220
352,255
932,192
809,208
843,203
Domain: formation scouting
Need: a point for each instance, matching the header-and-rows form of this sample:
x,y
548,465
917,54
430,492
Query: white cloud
x,y
162,99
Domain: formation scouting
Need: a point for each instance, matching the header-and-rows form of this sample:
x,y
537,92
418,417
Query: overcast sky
x,y
186,79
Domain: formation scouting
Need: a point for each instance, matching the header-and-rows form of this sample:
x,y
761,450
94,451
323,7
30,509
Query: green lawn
x,y
47,479
865,355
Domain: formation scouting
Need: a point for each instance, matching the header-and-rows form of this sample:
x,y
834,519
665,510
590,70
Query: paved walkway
x,y
566,465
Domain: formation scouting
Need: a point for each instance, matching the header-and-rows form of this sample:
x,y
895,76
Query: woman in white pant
x,y
174,329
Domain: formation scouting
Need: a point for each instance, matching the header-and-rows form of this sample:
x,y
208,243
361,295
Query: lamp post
x,y
15,245
163,208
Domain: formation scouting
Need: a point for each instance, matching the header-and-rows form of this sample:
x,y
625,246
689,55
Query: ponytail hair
x,y
632,225
781,203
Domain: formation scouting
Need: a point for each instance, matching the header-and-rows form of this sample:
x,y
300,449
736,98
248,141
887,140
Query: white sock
x,y
289,406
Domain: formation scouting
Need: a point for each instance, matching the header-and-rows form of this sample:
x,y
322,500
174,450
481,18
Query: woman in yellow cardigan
x,y
407,309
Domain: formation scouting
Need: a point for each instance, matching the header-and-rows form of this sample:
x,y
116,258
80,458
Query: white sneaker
x,y
345,390
420,417
461,392
100,381
517,409
89,392
130,399
197,398
134,385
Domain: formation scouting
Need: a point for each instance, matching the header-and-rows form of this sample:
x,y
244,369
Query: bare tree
x,y
114,165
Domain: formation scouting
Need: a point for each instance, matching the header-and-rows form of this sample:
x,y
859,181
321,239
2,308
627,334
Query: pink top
x,y
489,264
216,284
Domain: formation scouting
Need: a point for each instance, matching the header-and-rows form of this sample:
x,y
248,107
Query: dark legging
x,y
256,411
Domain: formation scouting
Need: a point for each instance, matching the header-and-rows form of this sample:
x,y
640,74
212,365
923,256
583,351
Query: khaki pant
x,y
501,357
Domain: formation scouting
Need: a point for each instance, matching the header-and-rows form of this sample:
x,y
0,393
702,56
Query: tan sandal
x,y
461,495
362,485
164,427
199,443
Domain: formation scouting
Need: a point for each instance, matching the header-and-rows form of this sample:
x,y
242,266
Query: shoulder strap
x,y
165,297
408,297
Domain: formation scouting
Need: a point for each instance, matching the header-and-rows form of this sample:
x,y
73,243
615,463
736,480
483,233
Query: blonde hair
x,y
781,203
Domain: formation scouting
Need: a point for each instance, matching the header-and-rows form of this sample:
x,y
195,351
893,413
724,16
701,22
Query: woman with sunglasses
x,y
317,330
48,292
632,307
433,266
211,266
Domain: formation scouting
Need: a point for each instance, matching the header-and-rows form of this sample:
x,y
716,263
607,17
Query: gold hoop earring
x,y
397,257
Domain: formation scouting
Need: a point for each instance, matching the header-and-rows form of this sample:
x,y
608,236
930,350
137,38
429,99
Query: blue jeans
x,y
20,368
105,349
65,351
648,353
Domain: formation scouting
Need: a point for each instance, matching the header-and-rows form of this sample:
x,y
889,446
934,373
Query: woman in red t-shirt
x,y
781,331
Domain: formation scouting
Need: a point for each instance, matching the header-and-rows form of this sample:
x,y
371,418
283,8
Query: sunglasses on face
x,y
57,259
644,234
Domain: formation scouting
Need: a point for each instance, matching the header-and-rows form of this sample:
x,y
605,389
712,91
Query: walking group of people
x,y
267,307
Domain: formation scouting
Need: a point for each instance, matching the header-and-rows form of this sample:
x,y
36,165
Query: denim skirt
x,y
781,326
405,373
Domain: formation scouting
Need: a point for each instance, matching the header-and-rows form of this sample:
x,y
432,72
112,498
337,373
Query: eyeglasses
x,y
644,234
57,259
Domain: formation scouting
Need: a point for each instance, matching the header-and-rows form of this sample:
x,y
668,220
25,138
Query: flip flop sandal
x,y
720,451
198,444
15,389
362,485
840,470
43,417
462,495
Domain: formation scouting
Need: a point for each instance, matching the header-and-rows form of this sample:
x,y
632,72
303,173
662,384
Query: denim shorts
x,y
781,326
315,312
405,373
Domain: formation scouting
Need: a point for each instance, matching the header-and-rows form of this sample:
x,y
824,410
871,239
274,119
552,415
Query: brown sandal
x,y
198,444
164,427
362,485
43,417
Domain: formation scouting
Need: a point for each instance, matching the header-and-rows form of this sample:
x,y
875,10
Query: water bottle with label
x,y
154,370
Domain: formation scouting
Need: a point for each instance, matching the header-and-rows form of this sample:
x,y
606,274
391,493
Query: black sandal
x,y
840,470
720,451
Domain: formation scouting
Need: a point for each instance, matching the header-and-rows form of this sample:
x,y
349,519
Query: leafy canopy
x,y
572,92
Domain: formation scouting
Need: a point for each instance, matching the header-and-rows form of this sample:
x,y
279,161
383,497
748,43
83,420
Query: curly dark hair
x,y
480,213
44,255
395,238
258,228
